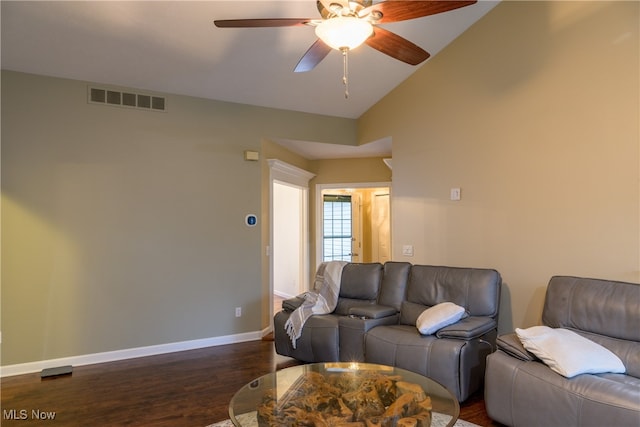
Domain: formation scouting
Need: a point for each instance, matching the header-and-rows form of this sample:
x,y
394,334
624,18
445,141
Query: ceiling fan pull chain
x,y
345,72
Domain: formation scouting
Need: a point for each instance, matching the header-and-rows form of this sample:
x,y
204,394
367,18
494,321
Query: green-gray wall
x,y
124,228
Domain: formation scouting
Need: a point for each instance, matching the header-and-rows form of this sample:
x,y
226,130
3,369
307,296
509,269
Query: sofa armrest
x,y
372,311
468,328
510,344
291,304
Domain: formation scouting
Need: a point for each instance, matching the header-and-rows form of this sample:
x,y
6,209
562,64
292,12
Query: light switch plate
x,y
407,250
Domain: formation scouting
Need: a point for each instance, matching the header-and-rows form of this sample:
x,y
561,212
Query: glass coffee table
x,y
337,392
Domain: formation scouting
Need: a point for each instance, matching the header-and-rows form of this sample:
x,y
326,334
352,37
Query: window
x,y
337,228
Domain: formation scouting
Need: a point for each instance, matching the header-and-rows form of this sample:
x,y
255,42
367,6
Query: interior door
x,y
356,227
380,227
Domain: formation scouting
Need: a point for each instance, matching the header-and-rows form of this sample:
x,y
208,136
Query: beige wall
x,y
534,113
124,228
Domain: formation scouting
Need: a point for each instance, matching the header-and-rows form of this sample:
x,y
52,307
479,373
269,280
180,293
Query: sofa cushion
x,y
627,351
437,317
568,353
603,307
361,281
359,285
410,311
394,284
475,289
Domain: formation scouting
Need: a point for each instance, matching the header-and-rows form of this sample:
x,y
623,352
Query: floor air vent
x,y
126,99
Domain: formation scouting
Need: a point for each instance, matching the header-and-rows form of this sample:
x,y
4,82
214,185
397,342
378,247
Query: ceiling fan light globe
x,y
344,32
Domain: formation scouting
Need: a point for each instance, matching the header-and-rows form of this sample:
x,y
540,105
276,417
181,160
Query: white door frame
x,y
282,172
320,212
375,243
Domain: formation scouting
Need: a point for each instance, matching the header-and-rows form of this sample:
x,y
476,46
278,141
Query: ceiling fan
x,y
346,24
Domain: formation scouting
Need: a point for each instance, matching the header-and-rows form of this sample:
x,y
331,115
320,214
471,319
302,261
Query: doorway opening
x,y
288,248
353,222
289,252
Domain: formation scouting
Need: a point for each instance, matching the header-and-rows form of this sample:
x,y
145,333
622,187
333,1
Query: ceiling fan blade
x,y
396,47
252,23
401,10
312,57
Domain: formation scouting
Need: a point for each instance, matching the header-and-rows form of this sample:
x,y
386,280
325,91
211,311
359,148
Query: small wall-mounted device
x,y
251,220
253,156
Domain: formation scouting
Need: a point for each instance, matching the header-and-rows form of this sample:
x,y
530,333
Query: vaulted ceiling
x,y
174,47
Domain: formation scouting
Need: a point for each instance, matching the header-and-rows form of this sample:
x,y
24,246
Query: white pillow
x,y
439,316
568,353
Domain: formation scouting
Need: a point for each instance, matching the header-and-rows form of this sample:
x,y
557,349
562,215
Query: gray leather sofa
x,y
375,321
520,390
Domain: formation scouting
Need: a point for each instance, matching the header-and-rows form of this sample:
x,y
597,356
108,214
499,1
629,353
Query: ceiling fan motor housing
x,y
329,8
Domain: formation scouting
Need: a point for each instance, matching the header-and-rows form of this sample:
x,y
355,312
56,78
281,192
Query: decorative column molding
x,y
282,171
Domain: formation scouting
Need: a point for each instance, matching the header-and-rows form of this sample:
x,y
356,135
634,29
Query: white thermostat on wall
x,y
251,220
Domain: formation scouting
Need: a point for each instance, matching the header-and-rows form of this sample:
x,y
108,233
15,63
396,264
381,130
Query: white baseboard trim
x,y
283,294
130,353
267,330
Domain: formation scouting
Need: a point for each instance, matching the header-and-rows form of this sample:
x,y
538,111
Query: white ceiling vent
x,y
97,95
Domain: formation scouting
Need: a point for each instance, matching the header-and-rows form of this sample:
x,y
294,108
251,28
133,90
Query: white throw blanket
x,y
321,300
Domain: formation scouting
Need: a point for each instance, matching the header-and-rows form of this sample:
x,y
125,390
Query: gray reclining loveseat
x,y
375,321
521,390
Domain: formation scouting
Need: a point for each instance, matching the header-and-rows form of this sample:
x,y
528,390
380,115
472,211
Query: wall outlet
x,y
238,311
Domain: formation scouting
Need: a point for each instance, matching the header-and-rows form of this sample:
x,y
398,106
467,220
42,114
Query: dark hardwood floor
x,y
190,388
